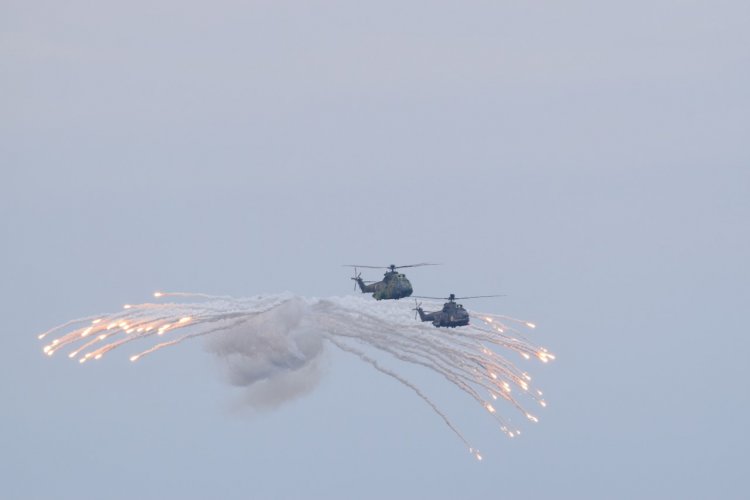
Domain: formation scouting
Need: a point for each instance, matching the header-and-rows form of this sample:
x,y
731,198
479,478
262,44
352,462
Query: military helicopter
x,y
451,316
394,284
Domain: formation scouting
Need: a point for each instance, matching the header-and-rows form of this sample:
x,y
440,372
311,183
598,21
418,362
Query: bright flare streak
x,y
127,306
531,325
388,330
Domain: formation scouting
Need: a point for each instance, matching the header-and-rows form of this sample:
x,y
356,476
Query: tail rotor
x,y
417,306
356,278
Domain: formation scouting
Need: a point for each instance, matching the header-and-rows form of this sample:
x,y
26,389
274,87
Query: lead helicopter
x,y
395,285
452,314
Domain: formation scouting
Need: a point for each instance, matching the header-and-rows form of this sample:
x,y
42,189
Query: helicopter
x,y
394,284
452,314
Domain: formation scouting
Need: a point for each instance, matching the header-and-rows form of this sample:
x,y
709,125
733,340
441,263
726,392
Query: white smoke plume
x,y
272,345
278,361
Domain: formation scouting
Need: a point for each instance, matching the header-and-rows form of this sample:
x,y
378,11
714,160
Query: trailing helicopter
x,y
452,314
394,284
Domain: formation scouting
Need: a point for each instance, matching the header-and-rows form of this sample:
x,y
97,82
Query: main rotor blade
x,y
479,297
458,298
388,267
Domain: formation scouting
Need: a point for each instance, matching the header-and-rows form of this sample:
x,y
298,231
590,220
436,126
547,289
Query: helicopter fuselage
x,y
451,316
395,285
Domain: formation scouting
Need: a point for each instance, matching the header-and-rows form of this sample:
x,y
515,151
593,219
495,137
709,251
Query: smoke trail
x,y
271,346
364,357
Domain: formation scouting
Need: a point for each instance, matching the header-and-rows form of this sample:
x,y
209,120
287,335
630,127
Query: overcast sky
x,y
588,159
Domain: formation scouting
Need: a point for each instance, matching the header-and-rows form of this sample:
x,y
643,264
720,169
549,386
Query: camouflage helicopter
x,y
452,314
394,284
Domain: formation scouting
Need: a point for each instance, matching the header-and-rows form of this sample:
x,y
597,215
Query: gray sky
x,y
588,159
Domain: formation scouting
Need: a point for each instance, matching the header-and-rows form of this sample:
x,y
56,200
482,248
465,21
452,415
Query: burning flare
x,y
266,337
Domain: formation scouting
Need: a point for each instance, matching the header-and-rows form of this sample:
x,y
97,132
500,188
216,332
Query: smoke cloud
x,y
274,356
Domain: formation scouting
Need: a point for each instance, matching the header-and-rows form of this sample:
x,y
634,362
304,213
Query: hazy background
x,y
589,159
